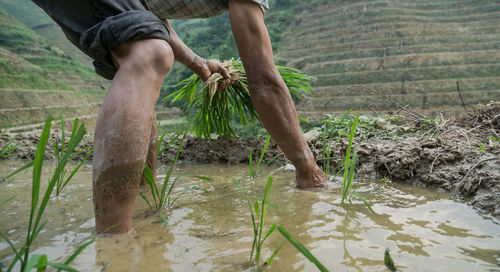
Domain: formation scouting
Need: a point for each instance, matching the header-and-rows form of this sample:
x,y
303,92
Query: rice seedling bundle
x,y
214,109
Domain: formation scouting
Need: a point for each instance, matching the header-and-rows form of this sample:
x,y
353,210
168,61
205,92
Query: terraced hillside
x,y
38,79
373,55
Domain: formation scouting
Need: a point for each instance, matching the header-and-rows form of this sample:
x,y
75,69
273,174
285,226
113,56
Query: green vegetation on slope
x,y
29,61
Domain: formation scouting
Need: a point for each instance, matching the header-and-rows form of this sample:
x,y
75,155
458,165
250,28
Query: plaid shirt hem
x,y
186,9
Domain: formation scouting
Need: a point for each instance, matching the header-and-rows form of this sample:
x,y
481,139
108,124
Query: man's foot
x,y
315,179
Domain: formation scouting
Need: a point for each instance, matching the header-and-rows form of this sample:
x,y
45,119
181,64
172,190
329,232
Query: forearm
x,y
182,53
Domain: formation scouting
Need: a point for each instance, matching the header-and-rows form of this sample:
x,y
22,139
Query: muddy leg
x,y
123,130
152,157
269,93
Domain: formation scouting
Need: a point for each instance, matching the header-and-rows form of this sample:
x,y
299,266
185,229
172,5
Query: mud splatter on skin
x,y
121,180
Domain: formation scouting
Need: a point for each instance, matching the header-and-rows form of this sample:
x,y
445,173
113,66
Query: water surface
x,y
425,230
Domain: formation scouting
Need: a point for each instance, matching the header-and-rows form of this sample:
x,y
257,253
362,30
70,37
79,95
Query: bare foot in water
x,y
315,179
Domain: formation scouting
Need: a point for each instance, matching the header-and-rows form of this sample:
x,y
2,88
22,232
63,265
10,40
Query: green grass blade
x,y
147,201
256,208
35,190
74,171
301,248
33,262
254,225
266,144
26,166
9,199
163,219
268,163
303,119
269,232
364,201
63,267
153,187
17,253
262,217
388,261
79,250
164,194
250,162
271,258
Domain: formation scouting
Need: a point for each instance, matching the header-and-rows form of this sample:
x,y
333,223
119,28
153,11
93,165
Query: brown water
x,y
425,230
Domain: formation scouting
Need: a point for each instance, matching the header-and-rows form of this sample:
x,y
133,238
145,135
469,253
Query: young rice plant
x,y
259,207
350,168
214,109
35,224
165,196
256,170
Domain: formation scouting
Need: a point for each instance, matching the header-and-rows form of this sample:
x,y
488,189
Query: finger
x,y
224,72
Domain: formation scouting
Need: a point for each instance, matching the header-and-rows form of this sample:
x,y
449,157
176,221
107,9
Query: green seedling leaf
x,y
17,253
9,199
389,263
37,261
303,119
269,232
147,201
78,251
63,267
26,166
271,258
163,219
301,248
364,201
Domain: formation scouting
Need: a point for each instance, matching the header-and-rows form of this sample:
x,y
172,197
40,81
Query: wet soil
x,y
462,158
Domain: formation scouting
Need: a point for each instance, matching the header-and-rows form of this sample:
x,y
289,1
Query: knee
x,y
153,57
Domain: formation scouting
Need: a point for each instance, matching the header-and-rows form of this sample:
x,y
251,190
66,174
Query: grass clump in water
x,y
350,168
35,224
258,230
256,170
8,148
215,109
66,151
164,196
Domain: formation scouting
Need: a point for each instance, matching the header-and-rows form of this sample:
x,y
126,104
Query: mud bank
x,y
462,158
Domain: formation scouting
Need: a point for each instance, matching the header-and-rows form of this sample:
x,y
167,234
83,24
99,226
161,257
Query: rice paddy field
x,y
211,230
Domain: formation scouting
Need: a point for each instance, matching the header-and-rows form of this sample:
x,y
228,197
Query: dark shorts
x,y
97,26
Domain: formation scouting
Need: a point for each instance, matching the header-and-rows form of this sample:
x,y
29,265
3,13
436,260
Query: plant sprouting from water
x,y
35,224
350,168
8,147
341,126
257,215
214,109
256,170
389,263
66,151
164,195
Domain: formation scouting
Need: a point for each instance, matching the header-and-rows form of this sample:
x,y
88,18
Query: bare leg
x,y
123,130
152,156
269,93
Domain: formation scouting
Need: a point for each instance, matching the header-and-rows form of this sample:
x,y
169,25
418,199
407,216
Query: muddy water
x,y
425,230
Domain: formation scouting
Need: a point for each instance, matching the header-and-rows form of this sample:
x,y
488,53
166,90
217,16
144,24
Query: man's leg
x,y
123,130
269,93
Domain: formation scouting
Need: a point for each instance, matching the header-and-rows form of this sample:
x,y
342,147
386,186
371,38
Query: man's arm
x,y
269,93
183,54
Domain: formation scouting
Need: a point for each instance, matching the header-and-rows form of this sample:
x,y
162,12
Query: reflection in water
x,y
425,231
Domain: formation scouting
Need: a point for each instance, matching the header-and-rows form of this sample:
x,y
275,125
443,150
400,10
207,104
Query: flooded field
x,y
211,231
